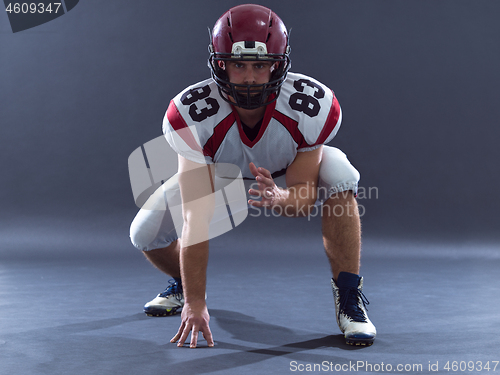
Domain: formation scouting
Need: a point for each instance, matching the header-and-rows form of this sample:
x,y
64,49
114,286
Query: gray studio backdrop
x,y
417,81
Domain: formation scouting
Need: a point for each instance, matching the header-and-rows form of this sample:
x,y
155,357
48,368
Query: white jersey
x,y
204,128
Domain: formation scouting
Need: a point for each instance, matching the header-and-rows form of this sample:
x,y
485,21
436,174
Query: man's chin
x,y
242,97
252,94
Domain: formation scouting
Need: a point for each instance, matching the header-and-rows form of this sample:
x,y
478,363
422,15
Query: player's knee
x,y
139,237
336,173
148,233
145,242
138,241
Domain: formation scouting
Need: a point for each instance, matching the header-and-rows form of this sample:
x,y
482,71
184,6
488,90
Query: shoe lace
x,y
349,304
172,289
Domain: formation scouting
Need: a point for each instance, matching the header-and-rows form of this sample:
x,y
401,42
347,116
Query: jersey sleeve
x,y
313,107
329,128
183,139
190,120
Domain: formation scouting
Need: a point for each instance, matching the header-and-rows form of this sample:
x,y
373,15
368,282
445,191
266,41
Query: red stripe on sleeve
x,y
181,128
331,122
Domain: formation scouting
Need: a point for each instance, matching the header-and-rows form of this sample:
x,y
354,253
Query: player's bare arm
x,y
301,179
195,182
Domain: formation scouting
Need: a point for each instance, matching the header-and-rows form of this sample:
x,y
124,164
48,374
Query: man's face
x,y
249,72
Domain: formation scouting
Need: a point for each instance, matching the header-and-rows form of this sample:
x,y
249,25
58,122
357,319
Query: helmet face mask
x,y
249,33
253,95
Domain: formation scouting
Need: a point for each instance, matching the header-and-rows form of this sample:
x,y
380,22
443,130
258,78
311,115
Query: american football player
x,y
273,124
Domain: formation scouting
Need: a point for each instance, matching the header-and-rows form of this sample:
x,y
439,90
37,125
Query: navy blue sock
x,y
347,280
179,283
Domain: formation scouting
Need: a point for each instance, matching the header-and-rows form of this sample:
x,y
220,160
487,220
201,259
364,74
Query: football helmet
x,y
251,33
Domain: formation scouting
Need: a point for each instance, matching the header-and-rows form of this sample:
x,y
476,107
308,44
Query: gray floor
x,y
271,311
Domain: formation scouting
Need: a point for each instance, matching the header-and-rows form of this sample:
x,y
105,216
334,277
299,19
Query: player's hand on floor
x,y
267,189
195,318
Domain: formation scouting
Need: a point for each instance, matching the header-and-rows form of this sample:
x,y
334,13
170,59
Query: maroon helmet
x,y
253,33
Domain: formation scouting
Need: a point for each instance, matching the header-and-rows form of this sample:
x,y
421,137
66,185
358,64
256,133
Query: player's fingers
x,y
265,193
194,337
264,180
262,203
184,335
265,172
251,202
262,185
178,334
254,192
207,334
253,169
